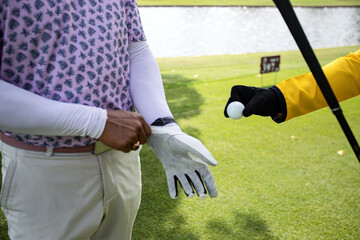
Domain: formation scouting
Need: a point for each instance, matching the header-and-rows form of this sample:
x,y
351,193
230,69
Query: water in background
x,y
194,31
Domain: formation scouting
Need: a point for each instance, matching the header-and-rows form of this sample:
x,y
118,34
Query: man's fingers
x,y
185,158
184,182
144,130
259,101
123,129
242,93
140,126
147,128
254,106
250,108
209,181
198,184
172,186
142,136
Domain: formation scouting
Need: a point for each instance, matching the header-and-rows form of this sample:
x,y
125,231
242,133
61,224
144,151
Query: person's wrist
x,y
274,102
95,121
165,125
281,110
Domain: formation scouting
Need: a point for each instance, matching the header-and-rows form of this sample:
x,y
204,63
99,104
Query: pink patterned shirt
x,y
72,51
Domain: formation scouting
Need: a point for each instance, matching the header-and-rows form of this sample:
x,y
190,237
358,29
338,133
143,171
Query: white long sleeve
x,y
24,112
146,88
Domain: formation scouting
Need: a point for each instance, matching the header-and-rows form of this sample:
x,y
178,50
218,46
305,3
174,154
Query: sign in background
x,y
270,64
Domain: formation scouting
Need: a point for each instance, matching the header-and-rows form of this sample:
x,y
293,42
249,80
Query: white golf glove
x,y
185,159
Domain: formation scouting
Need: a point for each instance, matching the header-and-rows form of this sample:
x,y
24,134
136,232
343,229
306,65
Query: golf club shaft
x,y
298,33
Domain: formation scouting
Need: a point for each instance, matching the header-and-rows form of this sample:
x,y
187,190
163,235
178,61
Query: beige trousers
x,y
70,196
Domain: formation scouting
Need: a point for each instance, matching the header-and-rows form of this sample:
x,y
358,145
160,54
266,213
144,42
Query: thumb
x,y
254,105
192,147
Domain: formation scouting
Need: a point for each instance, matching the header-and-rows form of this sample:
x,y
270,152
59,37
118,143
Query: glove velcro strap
x,y
163,121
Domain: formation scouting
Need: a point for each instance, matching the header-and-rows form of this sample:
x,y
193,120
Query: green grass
x,y
270,185
309,3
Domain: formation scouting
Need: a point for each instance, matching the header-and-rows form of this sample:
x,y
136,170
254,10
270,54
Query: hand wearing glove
x,y
184,158
258,101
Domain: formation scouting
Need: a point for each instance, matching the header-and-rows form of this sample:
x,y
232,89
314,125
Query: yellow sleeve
x,y
302,94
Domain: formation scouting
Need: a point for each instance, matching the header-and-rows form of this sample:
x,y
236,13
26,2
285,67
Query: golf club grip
x,y
301,40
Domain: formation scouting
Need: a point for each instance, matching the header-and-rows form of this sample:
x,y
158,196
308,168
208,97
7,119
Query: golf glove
x,y
258,101
184,159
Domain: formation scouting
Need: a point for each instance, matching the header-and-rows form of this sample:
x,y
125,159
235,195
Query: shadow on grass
x,y
183,100
248,226
159,217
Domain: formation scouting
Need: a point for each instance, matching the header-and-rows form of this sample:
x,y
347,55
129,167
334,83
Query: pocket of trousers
x,y
6,186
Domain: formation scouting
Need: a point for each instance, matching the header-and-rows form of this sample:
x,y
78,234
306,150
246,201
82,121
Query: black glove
x,y
258,101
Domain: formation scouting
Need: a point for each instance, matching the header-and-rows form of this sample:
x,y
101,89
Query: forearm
x,y
302,94
146,88
24,112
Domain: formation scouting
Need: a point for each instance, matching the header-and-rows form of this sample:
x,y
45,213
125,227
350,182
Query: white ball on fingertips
x,y
235,110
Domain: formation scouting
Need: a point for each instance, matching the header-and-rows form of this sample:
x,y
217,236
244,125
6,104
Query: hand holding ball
x,y
235,110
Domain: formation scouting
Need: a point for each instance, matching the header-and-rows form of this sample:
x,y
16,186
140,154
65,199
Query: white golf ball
x,y
235,110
